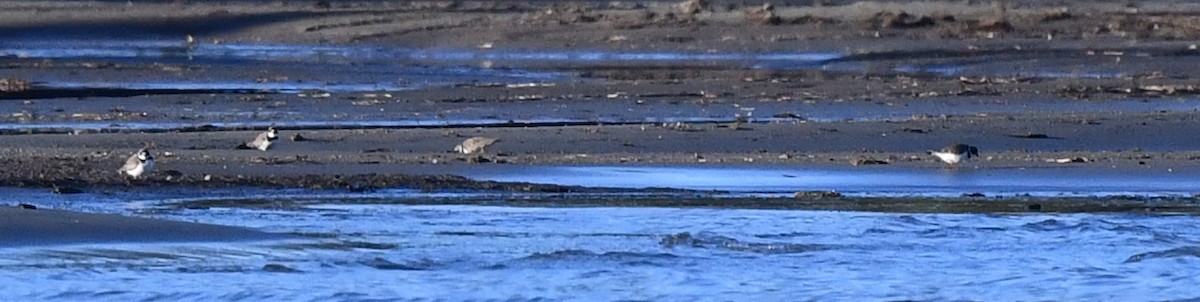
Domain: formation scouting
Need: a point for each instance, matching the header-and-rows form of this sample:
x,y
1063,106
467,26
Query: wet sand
x,y
376,158
1097,85
32,227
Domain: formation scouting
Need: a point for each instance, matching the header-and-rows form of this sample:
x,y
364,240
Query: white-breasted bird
x,y
263,140
956,153
474,144
138,164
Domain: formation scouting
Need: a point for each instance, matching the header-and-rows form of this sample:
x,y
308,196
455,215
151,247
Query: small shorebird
x,y
263,140
956,153
138,164
474,144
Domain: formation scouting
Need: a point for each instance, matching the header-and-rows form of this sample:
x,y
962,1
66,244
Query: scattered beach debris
x,y
1033,136
679,126
368,102
1164,89
974,195
1067,160
298,159
1145,90
27,206
480,85
668,94
530,85
868,161
97,65
987,80
902,20
275,79
817,194
173,175
616,95
253,98
13,85
316,94
531,97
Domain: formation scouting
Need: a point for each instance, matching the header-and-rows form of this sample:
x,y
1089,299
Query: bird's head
x,y
144,155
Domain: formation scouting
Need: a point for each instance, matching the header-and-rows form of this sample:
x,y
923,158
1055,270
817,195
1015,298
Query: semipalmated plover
x,y
474,144
138,164
956,153
264,139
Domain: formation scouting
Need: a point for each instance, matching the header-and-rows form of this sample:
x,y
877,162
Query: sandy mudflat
x,y
337,159
1100,85
24,227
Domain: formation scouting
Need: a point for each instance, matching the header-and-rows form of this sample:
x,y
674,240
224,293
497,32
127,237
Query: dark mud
x,y
70,181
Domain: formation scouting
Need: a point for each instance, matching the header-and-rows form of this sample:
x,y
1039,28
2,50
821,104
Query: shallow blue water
x,y
1063,181
456,253
159,49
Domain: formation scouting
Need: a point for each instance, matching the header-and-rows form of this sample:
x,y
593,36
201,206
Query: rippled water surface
x,y
857,182
359,252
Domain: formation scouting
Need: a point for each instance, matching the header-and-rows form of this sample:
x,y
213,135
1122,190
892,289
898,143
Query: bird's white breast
x,y
949,158
263,145
141,168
